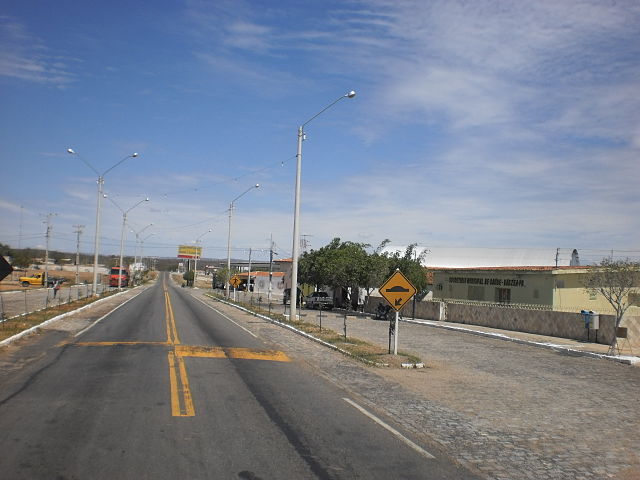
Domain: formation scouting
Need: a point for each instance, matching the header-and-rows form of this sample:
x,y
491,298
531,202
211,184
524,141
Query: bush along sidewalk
x,y
353,347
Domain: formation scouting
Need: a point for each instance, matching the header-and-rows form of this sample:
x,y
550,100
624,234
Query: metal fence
x,y
17,303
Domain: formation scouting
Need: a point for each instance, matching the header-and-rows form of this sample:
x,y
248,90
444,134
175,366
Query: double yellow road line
x,y
181,400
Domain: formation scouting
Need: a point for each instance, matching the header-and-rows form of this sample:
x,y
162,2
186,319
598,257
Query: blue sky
x,y
477,124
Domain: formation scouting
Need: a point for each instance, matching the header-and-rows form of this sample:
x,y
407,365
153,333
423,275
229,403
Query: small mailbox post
x,y
591,322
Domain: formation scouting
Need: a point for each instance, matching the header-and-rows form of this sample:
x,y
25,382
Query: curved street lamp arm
x,y
351,94
257,185
133,155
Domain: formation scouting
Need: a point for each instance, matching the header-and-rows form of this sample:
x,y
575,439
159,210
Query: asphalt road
x,y
167,387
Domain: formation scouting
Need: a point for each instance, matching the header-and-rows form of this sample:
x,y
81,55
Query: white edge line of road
x,y
106,315
222,314
388,427
28,331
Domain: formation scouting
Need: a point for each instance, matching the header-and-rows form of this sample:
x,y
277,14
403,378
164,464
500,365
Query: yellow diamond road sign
x,y
397,290
235,281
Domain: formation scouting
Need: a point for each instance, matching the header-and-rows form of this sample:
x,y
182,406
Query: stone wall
x,y
554,324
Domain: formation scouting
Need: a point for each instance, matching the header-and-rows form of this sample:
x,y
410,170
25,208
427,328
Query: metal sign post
x,y
397,291
395,336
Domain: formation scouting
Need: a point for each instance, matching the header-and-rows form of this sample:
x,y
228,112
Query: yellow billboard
x,y
189,251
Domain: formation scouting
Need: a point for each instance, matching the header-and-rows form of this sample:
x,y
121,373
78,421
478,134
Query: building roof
x,y
255,274
563,268
478,257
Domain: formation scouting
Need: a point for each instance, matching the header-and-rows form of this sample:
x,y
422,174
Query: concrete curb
x,y
627,360
31,330
299,332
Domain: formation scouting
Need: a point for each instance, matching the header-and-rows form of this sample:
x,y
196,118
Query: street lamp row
x,y
100,181
296,214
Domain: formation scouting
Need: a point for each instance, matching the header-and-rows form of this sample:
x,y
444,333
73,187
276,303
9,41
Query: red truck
x,y
119,273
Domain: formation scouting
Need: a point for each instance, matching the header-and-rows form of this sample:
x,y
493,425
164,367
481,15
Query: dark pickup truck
x,y
320,300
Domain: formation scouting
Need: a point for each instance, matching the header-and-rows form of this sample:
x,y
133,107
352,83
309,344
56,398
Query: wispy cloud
x,y
26,57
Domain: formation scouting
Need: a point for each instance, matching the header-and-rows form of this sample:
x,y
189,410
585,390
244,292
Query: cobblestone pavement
x,y
509,411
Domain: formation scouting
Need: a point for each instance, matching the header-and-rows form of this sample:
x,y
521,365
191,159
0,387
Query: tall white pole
x,y
231,205
296,230
96,243
229,249
296,209
195,266
78,232
249,273
124,221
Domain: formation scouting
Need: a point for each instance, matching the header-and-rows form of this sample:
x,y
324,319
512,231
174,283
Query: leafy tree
x,y
348,264
5,250
338,264
614,280
21,259
376,269
188,277
410,264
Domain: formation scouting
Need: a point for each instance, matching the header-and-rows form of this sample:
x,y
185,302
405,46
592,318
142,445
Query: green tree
x,y
410,264
614,280
337,264
188,277
21,259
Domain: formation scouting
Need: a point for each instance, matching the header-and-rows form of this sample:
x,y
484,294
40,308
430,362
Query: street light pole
x,y
135,251
231,205
96,244
124,222
142,248
296,209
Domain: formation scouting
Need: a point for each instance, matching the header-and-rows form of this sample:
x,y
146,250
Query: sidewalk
x,y
335,321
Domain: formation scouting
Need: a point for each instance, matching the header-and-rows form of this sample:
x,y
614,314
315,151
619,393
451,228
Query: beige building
x,y
556,288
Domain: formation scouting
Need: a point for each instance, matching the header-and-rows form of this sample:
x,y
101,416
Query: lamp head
x,y
351,94
146,199
134,155
71,151
257,185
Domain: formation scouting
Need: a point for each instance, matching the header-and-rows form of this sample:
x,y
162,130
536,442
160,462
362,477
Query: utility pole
x,y
249,275
304,242
78,231
46,252
270,268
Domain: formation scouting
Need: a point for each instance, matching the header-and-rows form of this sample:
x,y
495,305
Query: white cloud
x,y
25,57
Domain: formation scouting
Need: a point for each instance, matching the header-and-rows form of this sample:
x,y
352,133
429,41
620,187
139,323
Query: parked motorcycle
x,y
382,312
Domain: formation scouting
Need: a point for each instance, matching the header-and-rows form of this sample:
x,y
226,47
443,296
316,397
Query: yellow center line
x,y
179,388
181,399
177,370
172,331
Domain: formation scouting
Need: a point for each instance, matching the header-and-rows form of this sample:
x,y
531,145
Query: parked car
x,y
320,300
